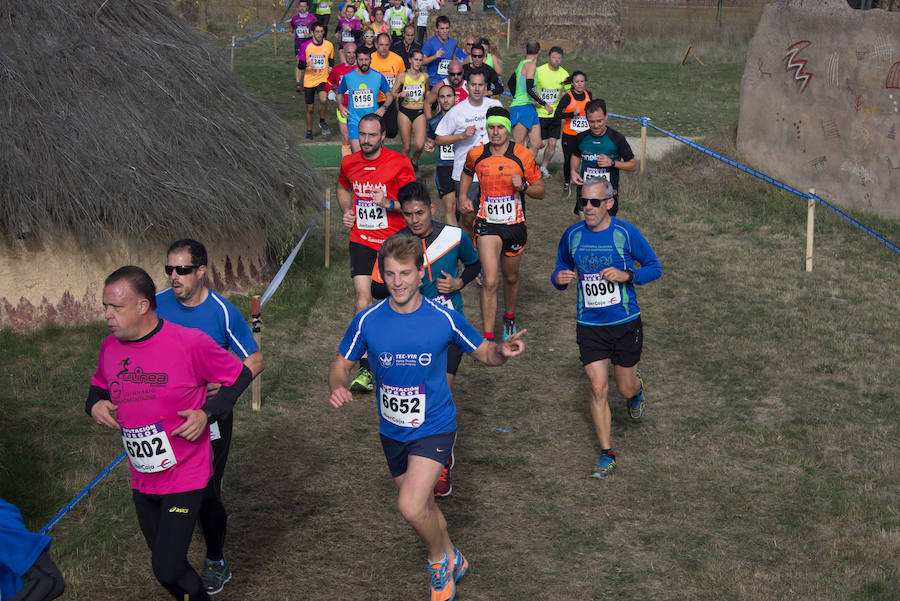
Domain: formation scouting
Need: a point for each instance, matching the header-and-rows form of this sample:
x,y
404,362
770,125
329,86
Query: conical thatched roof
x,y
120,119
572,24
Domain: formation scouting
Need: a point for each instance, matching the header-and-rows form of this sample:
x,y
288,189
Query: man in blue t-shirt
x,y
190,303
438,50
599,253
407,336
26,571
362,87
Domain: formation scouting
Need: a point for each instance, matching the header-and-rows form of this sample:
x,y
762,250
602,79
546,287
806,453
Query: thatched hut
x,y
122,130
572,25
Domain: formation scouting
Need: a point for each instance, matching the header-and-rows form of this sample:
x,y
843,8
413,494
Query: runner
x,y
438,50
166,435
361,86
334,79
571,111
523,109
349,31
443,163
27,572
445,246
301,26
491,59
599,253
600,151
549,79
423,8
323,12
371,222
505,172
397,16
411,88
378,24
455,80
410,334
391,66
406,44
368,40
319,59
492,80
464,127
188,302
462,54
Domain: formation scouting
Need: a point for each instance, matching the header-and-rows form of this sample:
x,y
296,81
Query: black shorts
x,y
514,236
454,357
411,114
550,128
362,259
474,195
621,343
437,447
311,92
443,175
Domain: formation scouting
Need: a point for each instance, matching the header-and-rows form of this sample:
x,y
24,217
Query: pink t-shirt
x,y
150,382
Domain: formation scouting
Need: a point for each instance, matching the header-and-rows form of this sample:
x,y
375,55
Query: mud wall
x,y
820,102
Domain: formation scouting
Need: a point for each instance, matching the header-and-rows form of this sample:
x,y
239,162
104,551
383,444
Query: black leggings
x,y
167,522
41,582
213,518
568,147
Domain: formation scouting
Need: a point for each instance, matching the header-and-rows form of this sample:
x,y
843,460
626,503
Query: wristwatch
x,y
525,185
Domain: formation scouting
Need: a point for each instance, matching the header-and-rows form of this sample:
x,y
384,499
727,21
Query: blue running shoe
x,y
605,466
442,585
460,565
636,403
509,327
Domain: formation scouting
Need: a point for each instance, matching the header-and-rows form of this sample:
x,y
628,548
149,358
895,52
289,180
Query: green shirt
x,y
521,98
323,7
549,86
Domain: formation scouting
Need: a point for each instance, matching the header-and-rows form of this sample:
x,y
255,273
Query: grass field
x,y
766,466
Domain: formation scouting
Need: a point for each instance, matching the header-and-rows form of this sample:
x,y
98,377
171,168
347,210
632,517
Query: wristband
x,y
391,206
630,273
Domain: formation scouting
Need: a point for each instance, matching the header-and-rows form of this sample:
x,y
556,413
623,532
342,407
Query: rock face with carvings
x,y
820,102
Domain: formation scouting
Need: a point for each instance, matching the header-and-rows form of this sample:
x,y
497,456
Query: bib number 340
x,y
402,405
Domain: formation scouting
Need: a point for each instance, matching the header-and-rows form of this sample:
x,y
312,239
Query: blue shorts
x,y
526,114
352,130
438,447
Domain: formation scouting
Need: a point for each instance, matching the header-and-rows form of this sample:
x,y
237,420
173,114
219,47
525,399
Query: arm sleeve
x,y
561,107
563,261
529,87
470,272
469,166
223,403
95,394
496,84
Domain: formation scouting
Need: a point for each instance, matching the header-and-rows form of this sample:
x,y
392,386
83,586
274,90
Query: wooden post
x,y
810,229
256,328
232,53
275,37
643,144
327,228
686,52
508,31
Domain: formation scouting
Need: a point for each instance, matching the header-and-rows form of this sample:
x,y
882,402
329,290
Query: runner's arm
x,y
255,363
223,402
529,87
470,272
495,354
338,377
100,408
561,107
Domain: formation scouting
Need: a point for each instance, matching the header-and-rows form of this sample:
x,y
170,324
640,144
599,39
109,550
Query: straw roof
x,y
120,120
578,24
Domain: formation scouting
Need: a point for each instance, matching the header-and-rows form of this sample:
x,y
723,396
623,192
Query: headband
x,y
504,121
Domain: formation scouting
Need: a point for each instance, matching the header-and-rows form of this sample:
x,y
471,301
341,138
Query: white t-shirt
x,y
423,7
457,120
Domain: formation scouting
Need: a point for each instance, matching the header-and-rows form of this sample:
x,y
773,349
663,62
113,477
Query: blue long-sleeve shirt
x,y
621,245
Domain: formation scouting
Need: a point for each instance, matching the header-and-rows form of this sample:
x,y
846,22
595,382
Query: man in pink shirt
x,y
150,384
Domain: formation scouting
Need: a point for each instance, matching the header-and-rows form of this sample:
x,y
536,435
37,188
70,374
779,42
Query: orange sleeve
x,y
471,157
532,173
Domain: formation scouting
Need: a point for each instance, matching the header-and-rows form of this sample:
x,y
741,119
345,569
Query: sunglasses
x,y
595,202
454,73
473,55
180,269
369,36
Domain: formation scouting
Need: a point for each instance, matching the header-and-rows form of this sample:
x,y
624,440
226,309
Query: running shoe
x,y
363,382
460,565
636,403
442,586
604,467
479,279
509,327
566,190
326,131
444,485
308,135
215,575
546,173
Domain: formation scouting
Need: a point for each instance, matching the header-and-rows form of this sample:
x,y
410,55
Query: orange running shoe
x,y
442,586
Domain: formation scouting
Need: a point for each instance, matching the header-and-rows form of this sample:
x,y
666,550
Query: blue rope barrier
x,y
85,491
502,16
847,217
279,277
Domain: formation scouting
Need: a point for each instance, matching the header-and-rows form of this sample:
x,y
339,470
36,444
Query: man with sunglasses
x,y
494,88
455,80
600,254
600,152
190,303
462,54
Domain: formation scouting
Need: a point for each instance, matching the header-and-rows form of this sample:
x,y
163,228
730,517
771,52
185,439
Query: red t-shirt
x,y
390,171
149,382
337,73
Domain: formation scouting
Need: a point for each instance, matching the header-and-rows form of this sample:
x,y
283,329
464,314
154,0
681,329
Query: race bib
x,y
347,35
447,152
370,216
596,172
390,79
500,209
317,62
463,8
302,32
414,93
597,292
550,96
442,66
324,7
148,448
423,18
403,406
579,123
444,300
363,99
397,23
214,433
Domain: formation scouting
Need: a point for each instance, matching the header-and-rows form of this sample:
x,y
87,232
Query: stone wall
x,y
820,102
